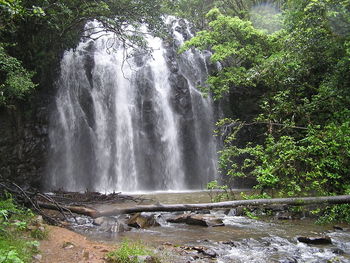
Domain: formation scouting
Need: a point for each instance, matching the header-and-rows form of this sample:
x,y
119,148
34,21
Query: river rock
x,y
341,228
288,260
338,228
322,240
68,245
205,251
285,215
37,258
142,221
110,224
196,219
144,259
238,211
99,221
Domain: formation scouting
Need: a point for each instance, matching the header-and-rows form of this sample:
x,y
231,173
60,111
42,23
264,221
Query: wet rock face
x,y
23,142
181,99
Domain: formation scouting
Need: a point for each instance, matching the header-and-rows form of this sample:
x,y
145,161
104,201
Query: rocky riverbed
x,y
224,235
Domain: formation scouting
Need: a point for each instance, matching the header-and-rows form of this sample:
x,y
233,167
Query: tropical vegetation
x,y
18,233
302,73
292,56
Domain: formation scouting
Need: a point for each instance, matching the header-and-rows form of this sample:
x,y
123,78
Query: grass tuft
x,y
129,252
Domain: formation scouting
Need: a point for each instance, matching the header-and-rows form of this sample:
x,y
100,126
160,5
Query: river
x,y
241,239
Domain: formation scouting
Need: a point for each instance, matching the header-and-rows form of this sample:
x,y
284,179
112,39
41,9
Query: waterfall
x,y
132,123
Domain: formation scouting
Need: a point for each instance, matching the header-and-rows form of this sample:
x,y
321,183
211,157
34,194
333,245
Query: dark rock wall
x,y
24,141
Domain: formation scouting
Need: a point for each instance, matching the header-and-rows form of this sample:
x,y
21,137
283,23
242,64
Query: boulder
x,y
99,221
142,221
322,240
197,219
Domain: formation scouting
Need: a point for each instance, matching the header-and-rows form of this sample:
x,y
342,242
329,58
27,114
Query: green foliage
x,y
34,35
258,11
218,192
336,213
128,252
15,246
255,196
302,72
250,214
15,81
316,164
193,10
39,234
234,42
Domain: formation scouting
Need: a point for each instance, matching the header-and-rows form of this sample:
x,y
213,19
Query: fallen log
x,y
82,210
342,199
295,201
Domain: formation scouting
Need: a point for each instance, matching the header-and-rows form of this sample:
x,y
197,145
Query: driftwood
x,y
342,199
66,203
82,210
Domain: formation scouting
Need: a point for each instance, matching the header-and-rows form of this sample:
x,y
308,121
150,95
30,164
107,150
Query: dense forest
x,y
282,82
284,76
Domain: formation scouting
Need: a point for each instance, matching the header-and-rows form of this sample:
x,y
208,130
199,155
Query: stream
x,y
241,239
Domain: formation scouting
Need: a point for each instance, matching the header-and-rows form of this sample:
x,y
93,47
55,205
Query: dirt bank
x,y
65,246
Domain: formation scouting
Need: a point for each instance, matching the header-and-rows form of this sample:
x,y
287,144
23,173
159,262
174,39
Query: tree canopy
x,y
34,34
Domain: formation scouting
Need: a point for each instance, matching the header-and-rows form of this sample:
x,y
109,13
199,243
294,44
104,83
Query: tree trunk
x,y
343,199
82,210
295,201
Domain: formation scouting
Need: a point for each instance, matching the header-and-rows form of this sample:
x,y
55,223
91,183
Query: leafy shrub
x,y
15,244
336,213
218,192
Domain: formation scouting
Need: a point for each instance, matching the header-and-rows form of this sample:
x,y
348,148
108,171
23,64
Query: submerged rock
x,y
323,240
198,220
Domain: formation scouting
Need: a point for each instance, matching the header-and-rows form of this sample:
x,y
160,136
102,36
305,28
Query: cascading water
x,y
132,124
